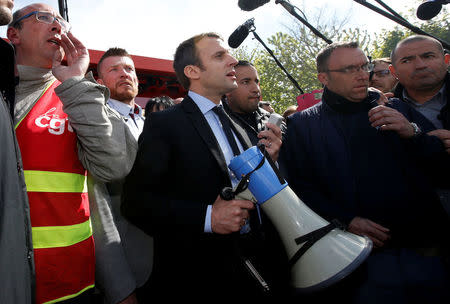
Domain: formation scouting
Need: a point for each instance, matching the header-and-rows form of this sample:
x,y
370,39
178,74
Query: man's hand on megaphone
x,y
271,139
229,216
377,233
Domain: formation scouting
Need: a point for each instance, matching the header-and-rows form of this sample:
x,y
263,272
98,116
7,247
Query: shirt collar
x,y
204,104
439,95
125,109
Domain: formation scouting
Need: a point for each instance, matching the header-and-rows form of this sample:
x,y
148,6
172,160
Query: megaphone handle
x,y
228,194
256,275
249,266
310,238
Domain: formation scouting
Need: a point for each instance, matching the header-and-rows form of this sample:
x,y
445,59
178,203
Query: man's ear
x,y
323,78
447,59
392,69
192,72
100,81
13,35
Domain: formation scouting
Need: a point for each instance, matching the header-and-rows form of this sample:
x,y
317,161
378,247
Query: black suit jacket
x,y
179,171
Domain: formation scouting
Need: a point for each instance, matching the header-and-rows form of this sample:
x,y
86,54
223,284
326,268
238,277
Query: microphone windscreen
x,y
428,10
249,5
238,36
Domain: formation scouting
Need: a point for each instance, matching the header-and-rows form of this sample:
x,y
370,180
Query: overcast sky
x,y
154,28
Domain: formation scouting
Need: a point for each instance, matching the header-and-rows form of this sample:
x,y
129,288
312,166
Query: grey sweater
x,y
107,149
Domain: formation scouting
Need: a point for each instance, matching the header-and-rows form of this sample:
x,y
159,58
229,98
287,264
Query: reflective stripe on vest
x,y
70,296
60,236
45,181
56,184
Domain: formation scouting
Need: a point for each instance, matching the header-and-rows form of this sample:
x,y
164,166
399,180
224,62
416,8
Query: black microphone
x,y
430,9
249,5
239,34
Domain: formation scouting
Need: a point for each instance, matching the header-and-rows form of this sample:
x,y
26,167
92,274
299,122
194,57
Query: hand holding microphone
x,y
389,119
271,136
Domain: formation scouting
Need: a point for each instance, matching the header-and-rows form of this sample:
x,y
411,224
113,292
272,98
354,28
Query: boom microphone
x,y
429,9
249,5
239,34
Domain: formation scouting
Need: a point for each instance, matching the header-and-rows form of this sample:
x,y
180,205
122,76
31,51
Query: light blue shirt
x,y
205,105
135,123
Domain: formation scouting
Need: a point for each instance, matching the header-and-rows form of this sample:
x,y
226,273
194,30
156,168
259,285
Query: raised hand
x,y
77,57
271,138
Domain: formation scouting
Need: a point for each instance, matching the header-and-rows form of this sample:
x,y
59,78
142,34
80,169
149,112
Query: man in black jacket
x,y
421,66
172,192
349,159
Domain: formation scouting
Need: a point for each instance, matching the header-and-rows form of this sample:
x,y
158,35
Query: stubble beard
x,y
125,97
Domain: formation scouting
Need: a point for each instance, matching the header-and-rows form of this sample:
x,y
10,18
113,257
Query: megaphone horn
x,y
321,253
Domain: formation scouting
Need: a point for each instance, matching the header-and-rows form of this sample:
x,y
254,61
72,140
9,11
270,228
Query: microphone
x,y
249,5
239,34
429,9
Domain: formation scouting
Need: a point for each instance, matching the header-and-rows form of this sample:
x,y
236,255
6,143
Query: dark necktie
x,y
136,112
226,126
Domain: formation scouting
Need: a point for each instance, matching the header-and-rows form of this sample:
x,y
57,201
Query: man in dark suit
x,y
172,192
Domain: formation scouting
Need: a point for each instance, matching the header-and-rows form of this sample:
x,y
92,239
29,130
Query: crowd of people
x,y
105,202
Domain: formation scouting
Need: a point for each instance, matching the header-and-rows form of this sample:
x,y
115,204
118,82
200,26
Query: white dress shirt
x,y
205,105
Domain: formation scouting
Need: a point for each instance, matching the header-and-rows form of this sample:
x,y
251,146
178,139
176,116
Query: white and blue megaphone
x,y
321,253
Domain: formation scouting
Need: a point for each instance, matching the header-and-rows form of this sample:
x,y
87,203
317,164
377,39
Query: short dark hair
x,y
244,63
186,54
111,52
415,38
161,103
325,53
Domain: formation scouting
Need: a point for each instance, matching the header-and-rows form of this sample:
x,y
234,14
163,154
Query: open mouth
x,y
55,41
232,74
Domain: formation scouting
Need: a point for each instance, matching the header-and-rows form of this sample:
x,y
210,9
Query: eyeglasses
x,y
352,69
48,18
381,73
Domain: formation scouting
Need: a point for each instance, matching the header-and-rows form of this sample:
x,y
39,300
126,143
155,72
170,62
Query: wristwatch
x,y
416,129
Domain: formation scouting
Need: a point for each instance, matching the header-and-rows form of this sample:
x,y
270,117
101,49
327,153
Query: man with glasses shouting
x,y
361,163
64,129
